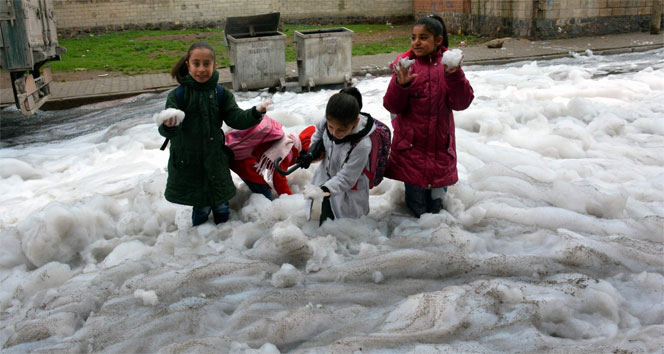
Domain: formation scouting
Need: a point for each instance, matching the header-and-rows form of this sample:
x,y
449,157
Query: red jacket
x,y
424,147
246,168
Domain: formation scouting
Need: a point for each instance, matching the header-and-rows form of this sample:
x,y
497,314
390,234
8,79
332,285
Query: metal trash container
x,y
28,40
257,51
324,56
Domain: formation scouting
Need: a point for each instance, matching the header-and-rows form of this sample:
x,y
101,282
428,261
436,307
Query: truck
x,y
28,40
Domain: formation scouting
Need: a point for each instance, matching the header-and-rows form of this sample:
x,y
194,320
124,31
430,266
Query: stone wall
x,y
75,16
540,18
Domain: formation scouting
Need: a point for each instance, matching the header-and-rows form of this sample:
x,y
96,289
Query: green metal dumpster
x,y
257,52
324,56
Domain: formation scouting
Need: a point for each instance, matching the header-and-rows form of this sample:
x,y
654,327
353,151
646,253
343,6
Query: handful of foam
x,y
166,114
404,63
452,58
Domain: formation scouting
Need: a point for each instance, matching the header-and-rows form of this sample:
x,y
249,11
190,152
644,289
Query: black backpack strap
x,y
179,98
362,133
220,95
163,146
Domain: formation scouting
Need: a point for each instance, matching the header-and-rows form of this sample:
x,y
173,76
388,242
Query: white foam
x,y
551,238
452,58
166,114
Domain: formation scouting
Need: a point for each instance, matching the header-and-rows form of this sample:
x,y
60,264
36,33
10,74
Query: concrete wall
x,y
99,15
540,18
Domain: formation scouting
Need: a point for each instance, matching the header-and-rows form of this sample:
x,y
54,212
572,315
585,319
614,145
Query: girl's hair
x,y
353,92
435,25
180,70
342,108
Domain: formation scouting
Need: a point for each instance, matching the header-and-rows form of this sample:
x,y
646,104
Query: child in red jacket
x,y
257,148
422,94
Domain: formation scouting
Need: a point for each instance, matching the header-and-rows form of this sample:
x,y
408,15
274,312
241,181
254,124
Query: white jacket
x,y
347,183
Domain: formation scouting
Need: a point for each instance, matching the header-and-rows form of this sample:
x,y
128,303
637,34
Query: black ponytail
x,y
435,25
353,92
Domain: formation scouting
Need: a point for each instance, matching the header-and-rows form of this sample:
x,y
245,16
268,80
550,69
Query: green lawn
x,y
141,52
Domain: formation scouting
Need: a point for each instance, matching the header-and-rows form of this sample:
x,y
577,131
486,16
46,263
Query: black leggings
x,y
419,200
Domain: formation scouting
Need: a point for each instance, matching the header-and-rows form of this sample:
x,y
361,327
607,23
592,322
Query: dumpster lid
x,y
251,26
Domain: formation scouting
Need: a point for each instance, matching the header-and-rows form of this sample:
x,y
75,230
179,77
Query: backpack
x,y
179,98
381,142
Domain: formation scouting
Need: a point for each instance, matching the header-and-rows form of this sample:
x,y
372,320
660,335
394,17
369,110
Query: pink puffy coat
x,y
424,148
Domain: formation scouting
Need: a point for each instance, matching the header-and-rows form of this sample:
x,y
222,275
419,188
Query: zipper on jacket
x,y
328,157
428,173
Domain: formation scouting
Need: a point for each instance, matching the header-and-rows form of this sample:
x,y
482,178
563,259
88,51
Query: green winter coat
x,y
198,167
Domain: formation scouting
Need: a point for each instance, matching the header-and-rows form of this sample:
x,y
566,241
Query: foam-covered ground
x,y
552,240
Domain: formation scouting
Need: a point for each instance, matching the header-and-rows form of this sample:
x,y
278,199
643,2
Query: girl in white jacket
x,y
339,177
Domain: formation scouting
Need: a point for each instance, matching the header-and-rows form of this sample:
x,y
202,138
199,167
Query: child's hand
x,y
262,108
404,77
169,117
305,159
449,70
452,60
314,192
171,122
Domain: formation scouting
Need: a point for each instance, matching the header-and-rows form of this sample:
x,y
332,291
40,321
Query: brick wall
x,y
562,18
540,18
98,15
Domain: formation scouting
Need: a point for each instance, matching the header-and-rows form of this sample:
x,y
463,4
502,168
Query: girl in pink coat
x,y
421,96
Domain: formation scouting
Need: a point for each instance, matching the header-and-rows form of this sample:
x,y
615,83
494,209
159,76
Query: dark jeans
x,y
220,213
419,200
259,188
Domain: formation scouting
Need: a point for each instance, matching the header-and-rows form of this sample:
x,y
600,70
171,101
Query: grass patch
x,y
145,52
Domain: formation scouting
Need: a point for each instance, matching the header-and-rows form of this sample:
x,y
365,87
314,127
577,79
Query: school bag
x,y
179,98
381,142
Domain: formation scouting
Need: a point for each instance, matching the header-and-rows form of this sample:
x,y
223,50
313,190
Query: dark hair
x,y
180,70
343,108
353,92
435,25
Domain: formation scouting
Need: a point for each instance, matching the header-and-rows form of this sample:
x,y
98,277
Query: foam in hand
x,y
166,114
452,58
404,63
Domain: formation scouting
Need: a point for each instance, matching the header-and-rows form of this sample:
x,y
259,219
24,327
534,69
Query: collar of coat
x,y
354,136
207,85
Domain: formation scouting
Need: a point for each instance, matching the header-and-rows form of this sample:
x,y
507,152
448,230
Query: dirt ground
x,y
396,32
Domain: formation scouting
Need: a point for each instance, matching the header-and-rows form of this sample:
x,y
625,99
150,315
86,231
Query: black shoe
x,y
436,206
417,200
220,218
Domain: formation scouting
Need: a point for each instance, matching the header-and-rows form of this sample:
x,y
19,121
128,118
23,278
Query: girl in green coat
x,y
198,167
